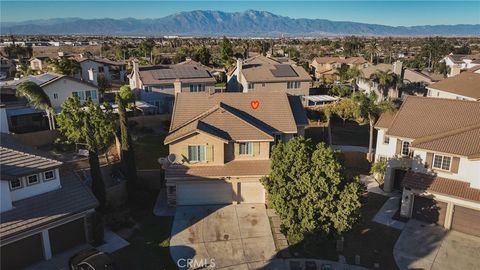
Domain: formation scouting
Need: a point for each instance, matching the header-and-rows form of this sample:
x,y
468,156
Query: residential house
x,y
432,150
460,62
327,66
39,62
158,84
45,210
465,85
220,144
115,72
264,74
7,68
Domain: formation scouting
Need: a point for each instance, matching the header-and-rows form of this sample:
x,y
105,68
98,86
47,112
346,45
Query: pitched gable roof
x,y
443,125
465,84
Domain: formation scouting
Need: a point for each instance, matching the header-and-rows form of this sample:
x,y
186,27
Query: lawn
x,y
149,246
148,148
372,241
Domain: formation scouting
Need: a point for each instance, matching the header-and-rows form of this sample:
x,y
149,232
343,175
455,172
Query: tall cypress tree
x,y
128,156
98,186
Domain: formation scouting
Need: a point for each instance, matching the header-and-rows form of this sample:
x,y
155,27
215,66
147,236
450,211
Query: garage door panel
x,y
204,193
429,210
67,236
252,193
22,253
466,220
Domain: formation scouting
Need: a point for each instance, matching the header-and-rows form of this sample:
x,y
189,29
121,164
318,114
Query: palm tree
x,y
373,49
385,80
24,71
37,98
354,74
369,108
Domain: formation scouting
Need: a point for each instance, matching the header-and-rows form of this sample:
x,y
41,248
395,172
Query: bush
x,y
62,145
118,219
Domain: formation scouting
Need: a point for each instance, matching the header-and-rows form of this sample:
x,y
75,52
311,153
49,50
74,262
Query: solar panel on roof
x,y
284,71
183,72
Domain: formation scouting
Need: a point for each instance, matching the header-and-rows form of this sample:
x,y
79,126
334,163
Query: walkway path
x,y
386,213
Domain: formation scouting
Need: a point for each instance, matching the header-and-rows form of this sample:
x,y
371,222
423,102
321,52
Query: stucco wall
x,y
303,90
200,138
442,94
42,187
64,88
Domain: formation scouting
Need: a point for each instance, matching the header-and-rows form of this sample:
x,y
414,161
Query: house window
x,y
15,184
32,179
291,85
246,148
88,94
382,158
196,152
442,162
197,88
386,139
48,175
251,86
101,69
94,94
405,148
263,84
147,89
55,96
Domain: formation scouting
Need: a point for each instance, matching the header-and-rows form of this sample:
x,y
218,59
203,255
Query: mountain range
x,y
217,23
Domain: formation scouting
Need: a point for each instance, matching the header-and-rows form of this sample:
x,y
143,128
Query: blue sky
x,y
406,12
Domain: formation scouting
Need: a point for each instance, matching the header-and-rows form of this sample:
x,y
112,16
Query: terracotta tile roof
x,y
464,142
441,185
223,122
230,169
368,71
458,58
274,113
465,84
17,159
340,60
72,198
385,119
264,69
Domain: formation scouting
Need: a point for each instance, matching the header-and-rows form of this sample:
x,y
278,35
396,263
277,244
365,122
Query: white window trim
x,y
31,184
49,179
403,145
15,188
249,148
385,138
441,164
198,153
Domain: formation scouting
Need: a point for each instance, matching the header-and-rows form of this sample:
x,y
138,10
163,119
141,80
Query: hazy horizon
x,y
391,13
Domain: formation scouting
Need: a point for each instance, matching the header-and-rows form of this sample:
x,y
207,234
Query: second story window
x,y
101,69
405,148
246,148
147,89
386,139
48,175
196,152
55,96
251,86
197,87
32,179
15,184
292,85
442,162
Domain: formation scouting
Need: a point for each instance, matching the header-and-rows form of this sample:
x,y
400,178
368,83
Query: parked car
x,y
92,259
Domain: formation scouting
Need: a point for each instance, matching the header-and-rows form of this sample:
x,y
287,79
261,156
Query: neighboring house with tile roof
x,y
44,210
465,85
265,74
432,150
158,84
460,62
326,67
115,72
39,62
221,143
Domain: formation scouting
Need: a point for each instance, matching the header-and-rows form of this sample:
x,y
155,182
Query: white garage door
x,y
204,193
252,193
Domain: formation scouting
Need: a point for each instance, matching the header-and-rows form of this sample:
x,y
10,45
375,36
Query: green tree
x,y
309,190
369,109
202,55
372,50
37,98
354,74
24,71
128,155
146,46
385,80
103,84
340,90
98,186
226,51
65,66
127,96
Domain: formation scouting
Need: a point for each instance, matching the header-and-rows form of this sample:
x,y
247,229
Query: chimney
x,y
397,68
177,86
136,75
239,70
454,70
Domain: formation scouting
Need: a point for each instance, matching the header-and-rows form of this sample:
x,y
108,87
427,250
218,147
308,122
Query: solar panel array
x,y
181,72
284,71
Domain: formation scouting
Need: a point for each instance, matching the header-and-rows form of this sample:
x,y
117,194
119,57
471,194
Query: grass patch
x,y
372,241
148,148
149,246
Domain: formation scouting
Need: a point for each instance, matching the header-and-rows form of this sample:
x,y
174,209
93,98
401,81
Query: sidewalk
x,y
388,210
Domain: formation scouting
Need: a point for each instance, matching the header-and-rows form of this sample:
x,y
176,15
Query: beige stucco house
x,y
432,150
326,67
465,85
265,74
221,143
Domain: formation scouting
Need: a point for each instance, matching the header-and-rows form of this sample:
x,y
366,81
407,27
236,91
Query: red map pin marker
x,y
255,104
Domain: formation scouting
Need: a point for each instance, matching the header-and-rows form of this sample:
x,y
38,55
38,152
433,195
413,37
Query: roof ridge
x,y
198,117
445,134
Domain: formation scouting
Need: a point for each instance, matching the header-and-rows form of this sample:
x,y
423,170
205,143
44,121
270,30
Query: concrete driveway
x,y
427,246
229,237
